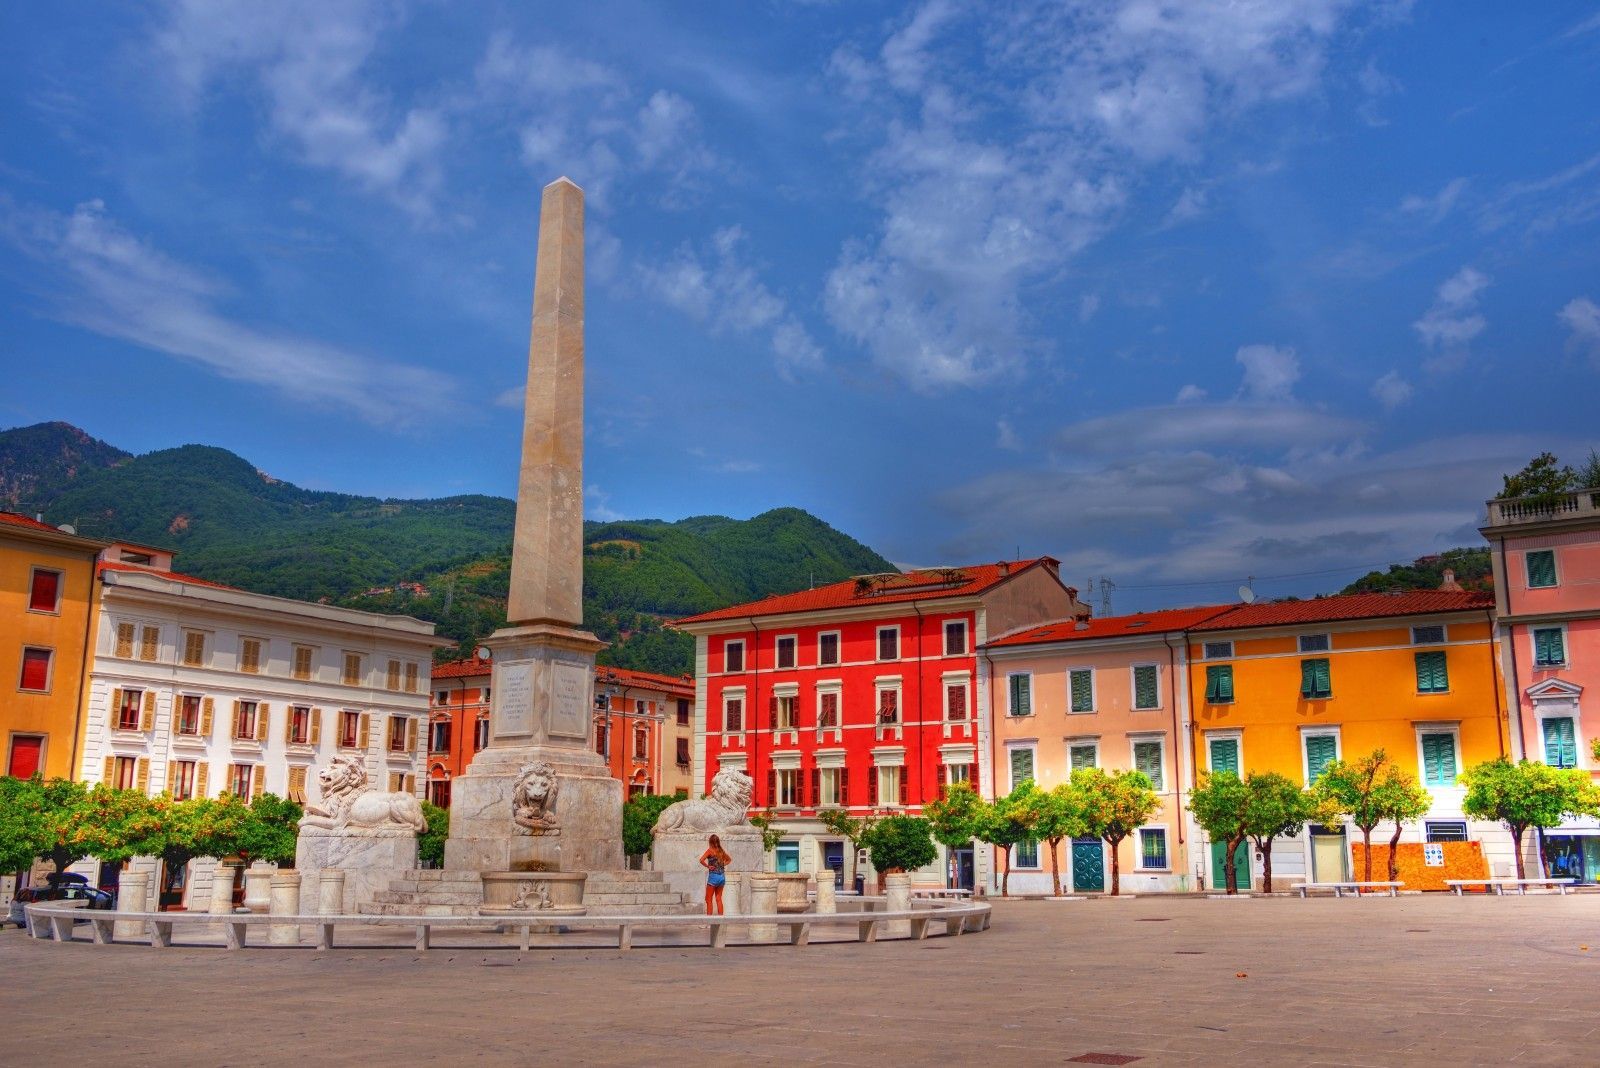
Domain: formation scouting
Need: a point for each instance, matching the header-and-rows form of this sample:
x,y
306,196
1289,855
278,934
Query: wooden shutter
x,y
233,731
297,785
207,706
202,779
872,786
149,643
772,786
772,712
411,734
1145,686
1021,766
115,718
362,739
1542,568
844,787
125,640
263,717
316,726
177,712
288,726
147,717
1225,754
258,782
1560,743
816,787
141,775
943,775
905,786
1082,691
110,771
1320,752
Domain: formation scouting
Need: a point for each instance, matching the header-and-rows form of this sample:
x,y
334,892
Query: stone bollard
x,y
258,886
763,902
827,902
733,892
330,892
897,890
285,902
133,895
222,888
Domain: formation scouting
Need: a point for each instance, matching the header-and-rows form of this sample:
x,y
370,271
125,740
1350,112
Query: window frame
x,y
353,718
246,642
949,686
1444,659
1453,731
1444,633
1206,647
1306,734
1091,744
945,632
1220,671
180,709
1139,852
1160,742
895,774
794,652
1011,694
641,741
1236,736
1527,569
838,647
1032,749
395,742
881,690
1072,698
1313,694
1133,687
1533,647
727,656
877,643
189,634
49,655
1326,637
1429,825
310,652
299,715
237,733
135,698
731,697
182,778
1021,864
358,677
1571,716
33,582
836,691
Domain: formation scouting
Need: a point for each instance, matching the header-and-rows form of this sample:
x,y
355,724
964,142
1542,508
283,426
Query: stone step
x,y
391,908
638,910
633,899
441,875
431,897
607,885
628,875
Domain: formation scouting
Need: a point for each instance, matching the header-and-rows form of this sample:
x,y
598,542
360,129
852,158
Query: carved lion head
x,y
534,786
342,776
732,789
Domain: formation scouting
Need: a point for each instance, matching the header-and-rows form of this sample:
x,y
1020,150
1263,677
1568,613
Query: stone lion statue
x,y
349,803
533,797
727,805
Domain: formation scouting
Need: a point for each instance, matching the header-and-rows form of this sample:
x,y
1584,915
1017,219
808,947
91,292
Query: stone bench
x,y
1355,887
1500,886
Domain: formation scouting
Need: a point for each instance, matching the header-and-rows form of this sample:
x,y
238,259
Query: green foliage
x,y
1527,794
1008,822
839,822
1471,565
639,817
271,830
1275,807
430,843
1542,477
1369,791
1114,804
900,843
770,834
956,816
37,461
1587,476
1221,806
23,831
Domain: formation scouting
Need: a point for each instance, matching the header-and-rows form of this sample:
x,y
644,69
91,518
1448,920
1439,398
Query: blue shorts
x,y
716,878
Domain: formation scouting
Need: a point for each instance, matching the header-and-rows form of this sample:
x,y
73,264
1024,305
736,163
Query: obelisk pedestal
x,y
569,814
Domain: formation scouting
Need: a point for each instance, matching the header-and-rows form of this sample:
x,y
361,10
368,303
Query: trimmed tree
x,y
900,844
430,843
848,827
1051,815
272,830
1000,826
23,835
1275,806
1365,790
1403,801
1221,805
1112,805
955,817
1527,794
639,815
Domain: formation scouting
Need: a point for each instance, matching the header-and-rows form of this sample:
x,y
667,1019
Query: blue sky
x,y
1176,292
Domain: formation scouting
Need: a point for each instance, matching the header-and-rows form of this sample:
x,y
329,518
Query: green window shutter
x,y
1438,760
1021,765
1082,756
1219,684
1021,695
1315,678
1225,754
1147,758
1560,743
1083,691
1542,568
1321,750
1548,648
1433,675
1144,687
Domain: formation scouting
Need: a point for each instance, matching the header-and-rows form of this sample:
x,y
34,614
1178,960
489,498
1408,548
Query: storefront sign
x,y
1433,854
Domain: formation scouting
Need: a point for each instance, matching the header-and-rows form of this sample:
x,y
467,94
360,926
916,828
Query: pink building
x,y
1547,593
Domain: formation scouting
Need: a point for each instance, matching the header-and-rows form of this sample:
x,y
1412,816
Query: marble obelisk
x,y
542,677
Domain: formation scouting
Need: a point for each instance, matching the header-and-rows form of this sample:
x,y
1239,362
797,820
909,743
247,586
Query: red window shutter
x,y
872,786
772,712
46,588
816,787
35,669
25,752
772,786
941,774
844,788
905,785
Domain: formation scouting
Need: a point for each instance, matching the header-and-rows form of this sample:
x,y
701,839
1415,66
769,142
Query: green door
x,y
1088,865
1241,860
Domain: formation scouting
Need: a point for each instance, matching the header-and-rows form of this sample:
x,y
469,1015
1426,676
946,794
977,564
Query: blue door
x,y
1088,866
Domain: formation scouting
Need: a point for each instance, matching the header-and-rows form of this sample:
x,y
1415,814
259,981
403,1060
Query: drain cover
x,y
1155,919
1103,1058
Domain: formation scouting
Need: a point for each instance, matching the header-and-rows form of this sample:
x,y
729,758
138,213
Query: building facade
x,y
1110,693
1546,554
862,696
1290,686
48,604
197,689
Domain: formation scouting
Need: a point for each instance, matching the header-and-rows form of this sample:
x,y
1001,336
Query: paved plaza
x,y
1413,981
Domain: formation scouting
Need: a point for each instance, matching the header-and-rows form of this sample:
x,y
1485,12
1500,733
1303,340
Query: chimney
x,y
1450,585
1005,568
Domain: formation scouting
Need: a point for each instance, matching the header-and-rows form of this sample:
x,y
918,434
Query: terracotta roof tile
x,y
1164,621
1348,607
922,585
17,520
473,667
193,580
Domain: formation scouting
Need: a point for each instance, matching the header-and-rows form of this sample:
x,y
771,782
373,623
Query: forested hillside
x,y
1426,572
445,560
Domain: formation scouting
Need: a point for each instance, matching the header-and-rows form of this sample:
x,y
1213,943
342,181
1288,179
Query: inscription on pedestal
x,y
569,705
513,694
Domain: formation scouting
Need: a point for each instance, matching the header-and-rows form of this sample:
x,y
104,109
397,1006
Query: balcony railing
x,y
1544,508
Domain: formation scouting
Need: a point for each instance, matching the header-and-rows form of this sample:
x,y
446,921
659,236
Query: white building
x,y
198,689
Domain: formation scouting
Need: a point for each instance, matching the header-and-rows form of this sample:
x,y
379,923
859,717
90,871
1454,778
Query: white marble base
x,y
677,856
588,833
369,861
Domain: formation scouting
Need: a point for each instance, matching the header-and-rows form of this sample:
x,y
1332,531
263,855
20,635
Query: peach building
x,y
1108,693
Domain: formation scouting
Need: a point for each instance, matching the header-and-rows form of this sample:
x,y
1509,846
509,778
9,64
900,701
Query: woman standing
x,y
715,861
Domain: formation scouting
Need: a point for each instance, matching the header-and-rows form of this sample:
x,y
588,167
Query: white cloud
x,y
1270,372
108,281
1190,393
1434,209
1391,390
1581,316
1088,305
1375,85
1191,204
597,505
1181,427
1006,436
1453,320
511,397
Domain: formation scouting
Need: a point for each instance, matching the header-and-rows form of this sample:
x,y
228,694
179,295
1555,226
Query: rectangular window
x,y
1321,750
733,714
1560,743
601,743
1549,647
391,677
683,752
1445,830
296,790
1219,684
27,755
1082,756
955,701
602,701
828,709
350,729
888,643
481,735
1021,690
955,637
785,651
1146,689
1219,650
182,784
1021,766
240,779
889,786
733,657
124,772
35,673
1147,758
439,736
641,743
1224,753
785,711
828,649
683,713
788,783
786,858
299,725
1433,634
44,592
640,707
439,792
250,656
244,721
959,773
1433,673
128,710
397,734
1439,759
1081,685
828,787
888,707
189,714
352,669
411,678
125,640
1314,643
302,662
1542,568
194,648
1027,854
150,644
1316,682
1153,847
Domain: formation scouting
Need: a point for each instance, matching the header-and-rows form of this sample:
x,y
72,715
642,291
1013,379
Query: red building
x,y
861,695
642,726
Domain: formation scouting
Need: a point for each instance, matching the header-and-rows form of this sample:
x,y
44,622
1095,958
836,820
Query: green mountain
x,y
1471,566
445,560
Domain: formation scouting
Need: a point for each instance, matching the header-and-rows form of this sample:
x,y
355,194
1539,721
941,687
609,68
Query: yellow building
x,y
48,602
1291,686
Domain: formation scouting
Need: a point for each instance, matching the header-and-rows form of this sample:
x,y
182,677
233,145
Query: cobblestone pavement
x,y
1408,981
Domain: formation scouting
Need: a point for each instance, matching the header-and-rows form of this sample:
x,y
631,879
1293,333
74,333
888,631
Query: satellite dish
x,y
67,528
1247,595
483,652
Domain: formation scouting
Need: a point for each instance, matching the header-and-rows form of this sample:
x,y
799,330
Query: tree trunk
x,y
1394,843
1266,865
1230,867
1516,847
1366,849
1116,867
1055,863
1005,877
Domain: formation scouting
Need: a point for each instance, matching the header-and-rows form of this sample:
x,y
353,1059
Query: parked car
x,y
68,887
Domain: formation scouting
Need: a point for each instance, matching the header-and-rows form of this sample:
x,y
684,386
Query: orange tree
x,y
1370,790
1221,805
1527,794
1112,805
